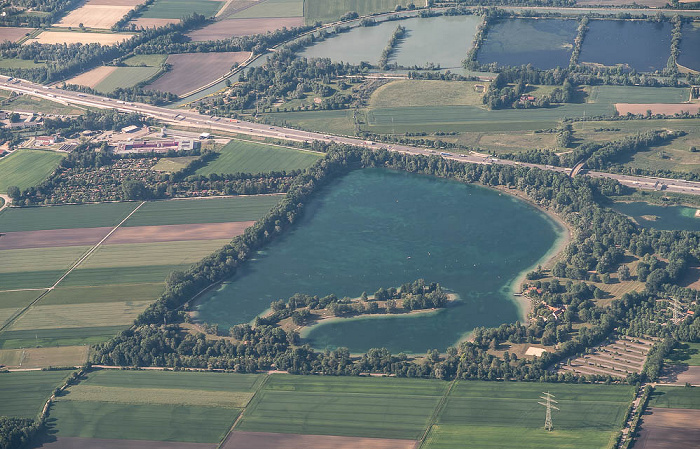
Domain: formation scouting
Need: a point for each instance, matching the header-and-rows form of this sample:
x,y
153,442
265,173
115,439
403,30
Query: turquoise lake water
x,y
379,228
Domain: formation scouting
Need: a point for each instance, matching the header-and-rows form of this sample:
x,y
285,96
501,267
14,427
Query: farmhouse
x,y
156,146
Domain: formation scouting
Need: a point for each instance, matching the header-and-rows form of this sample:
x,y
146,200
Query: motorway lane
x,y
194,119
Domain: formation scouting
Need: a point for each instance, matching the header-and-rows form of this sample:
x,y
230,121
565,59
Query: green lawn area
x,y
273,8
685,354
173,164
24,393
330,10
126,77
27,168
159,422
208,210
177,9
240,156
335,121
145,60
64,217
346,406
411,93
496,415
675,397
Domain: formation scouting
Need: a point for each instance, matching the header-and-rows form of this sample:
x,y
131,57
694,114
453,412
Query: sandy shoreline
x,y
562,241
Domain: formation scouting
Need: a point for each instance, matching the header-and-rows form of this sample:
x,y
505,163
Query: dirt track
x,y
171,233
52,238
96,443
669,428
228,28
264,440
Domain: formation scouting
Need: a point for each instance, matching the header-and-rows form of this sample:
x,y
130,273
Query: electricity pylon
x,y
548,416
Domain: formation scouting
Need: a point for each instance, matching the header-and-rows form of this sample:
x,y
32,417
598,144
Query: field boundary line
x,y
438,408
225,439
72,267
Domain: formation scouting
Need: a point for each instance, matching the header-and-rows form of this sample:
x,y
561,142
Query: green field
x,y
208,210
412,93
145,60
27,168
636,94
29,279
159,422
24,393
64,217
177,9
12,302
182,406
173,164
26,103
334,121
80,316
330,10
124,77
366,407
36,267
675,397
58,337
683,354
273,8
111,276
240,156
101,294
16,63
495,415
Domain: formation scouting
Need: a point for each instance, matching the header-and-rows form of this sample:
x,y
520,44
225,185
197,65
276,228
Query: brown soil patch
x,y
52,238
192,70
225,29
13,34
680,374
97,443
79,37
669,428
264,440
144,23
93,15
668,109
93,77
171,233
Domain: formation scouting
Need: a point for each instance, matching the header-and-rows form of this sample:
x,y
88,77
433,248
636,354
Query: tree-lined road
x,y
196,120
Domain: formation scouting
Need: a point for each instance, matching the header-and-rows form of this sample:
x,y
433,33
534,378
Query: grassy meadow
x,y
675,397
176,9
273,8
27,168
240,156
24,393
685,354
64,217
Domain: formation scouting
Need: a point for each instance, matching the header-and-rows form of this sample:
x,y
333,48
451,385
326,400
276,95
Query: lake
x,y
379,228
669,218
642,46
690,46
544,43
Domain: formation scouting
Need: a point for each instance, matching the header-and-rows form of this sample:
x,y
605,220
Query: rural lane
x,y
196,120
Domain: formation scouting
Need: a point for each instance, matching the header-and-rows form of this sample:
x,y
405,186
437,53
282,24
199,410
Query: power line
x,y
548,404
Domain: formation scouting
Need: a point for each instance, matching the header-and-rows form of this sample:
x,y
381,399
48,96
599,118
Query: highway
x,y
196,120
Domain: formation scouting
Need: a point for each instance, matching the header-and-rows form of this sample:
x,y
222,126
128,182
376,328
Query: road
x,y
196,120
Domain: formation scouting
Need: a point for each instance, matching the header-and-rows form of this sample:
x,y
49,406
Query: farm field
x,y
675,397
328,11
12,302
240,156
64,217
362,407
153,405
79,37
42,357
56,339
27,168
634,94
102,294
176,9
667,428
26,103
206,210
227,28
38,264
106,79
14,34
494,414
16,63
267,440
273,9
173,164
24,393
93,77
643,46
98,13
665,109
143,23
192,70
544,43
